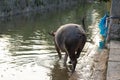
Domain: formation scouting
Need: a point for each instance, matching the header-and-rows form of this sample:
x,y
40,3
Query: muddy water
x,y
27,51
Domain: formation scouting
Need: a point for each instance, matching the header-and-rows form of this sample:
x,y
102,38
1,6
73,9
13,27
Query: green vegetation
x,y
14,7
103,0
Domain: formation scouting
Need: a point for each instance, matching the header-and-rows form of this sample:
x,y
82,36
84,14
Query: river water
x,y
27,51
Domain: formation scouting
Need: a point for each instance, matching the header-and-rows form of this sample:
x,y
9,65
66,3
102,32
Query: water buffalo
x,y
70,38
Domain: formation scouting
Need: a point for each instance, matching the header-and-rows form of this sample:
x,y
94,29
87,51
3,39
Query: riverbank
x,y
93,65
14,7
100,65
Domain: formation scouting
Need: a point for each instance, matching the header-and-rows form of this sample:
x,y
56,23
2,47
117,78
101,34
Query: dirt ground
x,y
92,66
100,65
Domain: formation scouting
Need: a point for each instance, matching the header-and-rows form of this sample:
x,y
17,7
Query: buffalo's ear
x,y
52,33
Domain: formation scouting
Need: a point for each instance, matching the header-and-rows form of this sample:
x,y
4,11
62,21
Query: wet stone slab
x,y
115,44
113,72
114,54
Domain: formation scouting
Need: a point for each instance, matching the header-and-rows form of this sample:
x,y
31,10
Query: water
x,y
27,50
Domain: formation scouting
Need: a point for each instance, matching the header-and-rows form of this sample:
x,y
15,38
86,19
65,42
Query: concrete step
x,y
113,70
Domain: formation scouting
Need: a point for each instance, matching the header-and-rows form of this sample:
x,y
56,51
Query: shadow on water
x,y
59,73
27,50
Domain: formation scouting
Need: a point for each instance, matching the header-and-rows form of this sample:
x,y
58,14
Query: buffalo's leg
x,y
81,47
58,51
65,59
73,59
78,52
